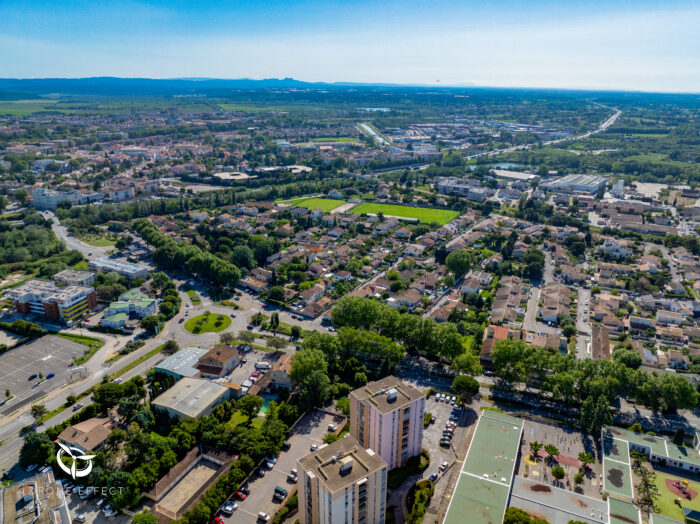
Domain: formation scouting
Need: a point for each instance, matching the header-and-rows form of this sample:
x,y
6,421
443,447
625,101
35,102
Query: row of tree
x,y
574,381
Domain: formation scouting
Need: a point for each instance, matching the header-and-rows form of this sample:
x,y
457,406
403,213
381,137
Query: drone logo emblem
x,y
75,454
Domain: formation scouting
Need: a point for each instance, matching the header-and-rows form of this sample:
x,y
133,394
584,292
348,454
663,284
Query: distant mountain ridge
x,y
127,86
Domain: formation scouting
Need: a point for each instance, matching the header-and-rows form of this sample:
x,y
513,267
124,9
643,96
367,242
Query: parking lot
x,y
88,508
49,354
247,368
310,430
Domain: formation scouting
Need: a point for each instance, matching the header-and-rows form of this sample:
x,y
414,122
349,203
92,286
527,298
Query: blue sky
x,y
634,45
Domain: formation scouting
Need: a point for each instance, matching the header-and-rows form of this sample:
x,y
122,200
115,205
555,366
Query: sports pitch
x,y
617,471
485,480
324,204
422,214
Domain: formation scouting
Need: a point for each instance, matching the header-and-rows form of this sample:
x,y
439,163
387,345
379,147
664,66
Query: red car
x,y
240,496
218,520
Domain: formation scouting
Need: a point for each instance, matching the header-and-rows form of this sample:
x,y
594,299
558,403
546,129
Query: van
x,y
280,492
262,366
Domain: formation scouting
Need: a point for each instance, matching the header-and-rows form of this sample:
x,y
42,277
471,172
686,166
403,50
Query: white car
x,y
263,516
80,517
271,459
100,502
314,447
443,466
332,427
229,508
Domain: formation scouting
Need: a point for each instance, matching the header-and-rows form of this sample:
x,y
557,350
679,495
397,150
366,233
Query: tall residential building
x,y
42,297
342,483
387,416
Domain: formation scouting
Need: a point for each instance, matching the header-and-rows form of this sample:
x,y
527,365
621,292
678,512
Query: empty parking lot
x,y
49,354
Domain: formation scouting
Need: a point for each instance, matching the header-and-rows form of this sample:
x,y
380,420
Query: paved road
x,y
583,338
602,127
71,242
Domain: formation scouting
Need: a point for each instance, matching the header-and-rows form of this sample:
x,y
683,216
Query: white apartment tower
x,y
387,417
342,483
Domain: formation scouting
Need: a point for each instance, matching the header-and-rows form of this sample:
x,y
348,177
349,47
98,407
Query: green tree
x,y
170,347
628,357
243,256
250,405
276,294
465,387
467,363
578,479
276,342
246,336
535,447
558,472
227,338
151,323
144,518
552,451
310,373
36,449
459,262
296,331
22,196
38,411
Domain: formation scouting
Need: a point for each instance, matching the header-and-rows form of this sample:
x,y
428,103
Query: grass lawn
x,y
213,323
97,240
334,139
665,502
193,297
132,365
93,345
239,418
325,204
423,214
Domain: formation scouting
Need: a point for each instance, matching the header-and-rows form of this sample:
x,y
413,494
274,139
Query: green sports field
x,y
325,204
423,214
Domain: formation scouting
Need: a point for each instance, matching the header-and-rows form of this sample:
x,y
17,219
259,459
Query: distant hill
x,y
144,86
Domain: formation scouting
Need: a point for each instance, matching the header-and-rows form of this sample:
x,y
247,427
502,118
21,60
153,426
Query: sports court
x,y
658,519
484,483
198,476
617,470
623,512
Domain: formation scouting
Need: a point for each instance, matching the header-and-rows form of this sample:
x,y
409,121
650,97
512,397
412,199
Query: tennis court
x,y
484,483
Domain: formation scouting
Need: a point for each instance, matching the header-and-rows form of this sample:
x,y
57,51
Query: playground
x,y
672,487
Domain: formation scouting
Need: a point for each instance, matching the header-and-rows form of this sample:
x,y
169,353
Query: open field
x,y
325,204
25,107
97,240
334,139
667,506
423,214
212,323
200,475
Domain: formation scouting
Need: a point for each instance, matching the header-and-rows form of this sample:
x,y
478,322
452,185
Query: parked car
x,y
314,447
31,468
80,517
433,477
292,477
280,493
443,466
245,489
32,376
240,495
432,419
332,427
263,516
229,507
77,406
445,442
117,381
100,502
50,375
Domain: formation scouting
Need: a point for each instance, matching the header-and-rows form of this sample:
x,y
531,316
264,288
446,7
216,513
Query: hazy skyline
x,y
635,45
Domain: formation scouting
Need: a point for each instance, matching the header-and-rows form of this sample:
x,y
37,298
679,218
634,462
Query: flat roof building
x,y
130,271
183,363
191,397
387,416
71,277
43,297
576,183
37,500
342,482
